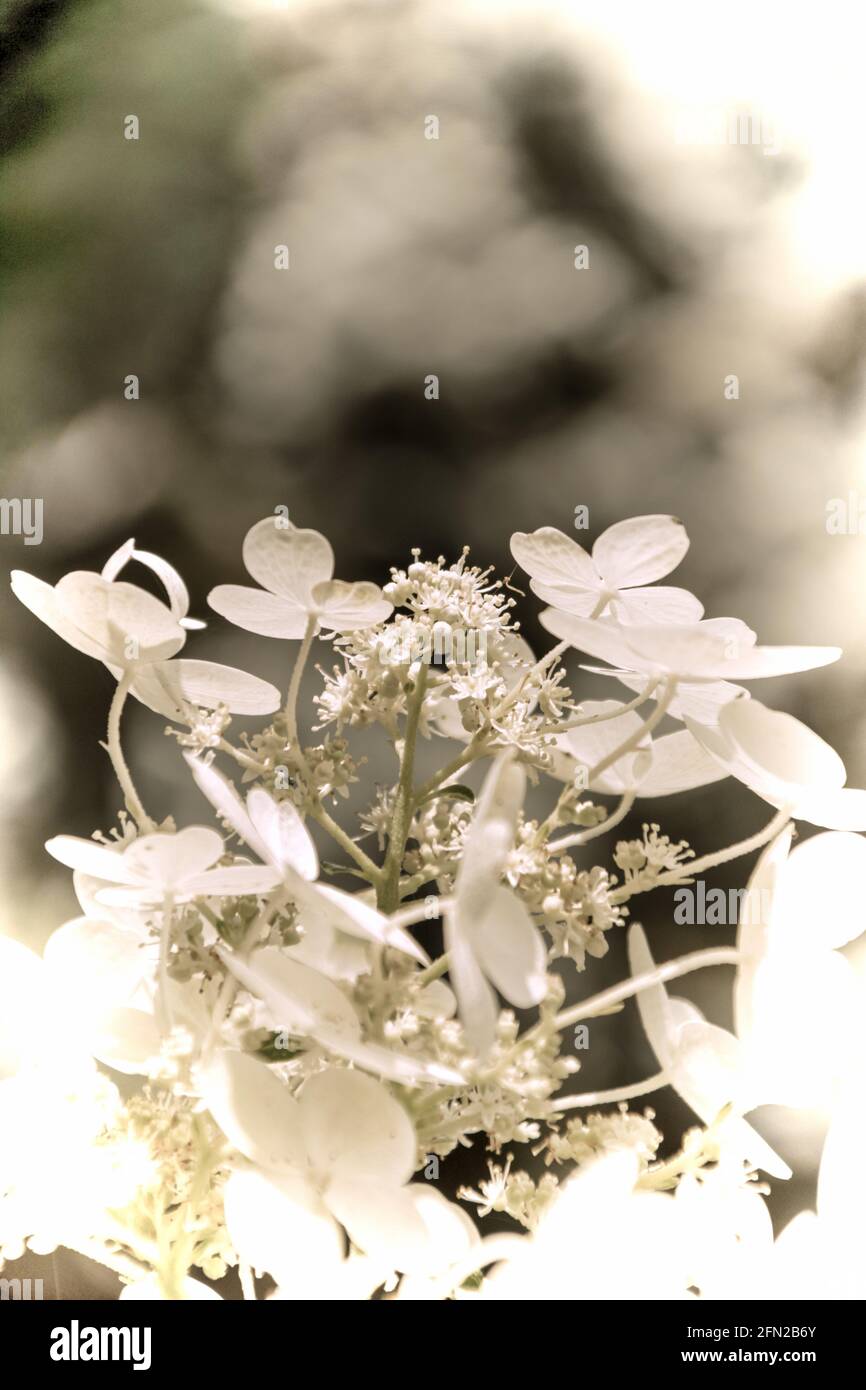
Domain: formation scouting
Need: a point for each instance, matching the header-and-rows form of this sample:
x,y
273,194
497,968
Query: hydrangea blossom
x,y
300,1055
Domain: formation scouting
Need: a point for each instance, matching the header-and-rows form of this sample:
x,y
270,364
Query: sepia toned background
x,y
305,125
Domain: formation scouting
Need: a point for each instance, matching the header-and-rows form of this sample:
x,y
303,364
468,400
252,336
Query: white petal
x,y
234,881
820,892
354,1128
699,653
599,638
97,860
130,625
679,763
476,1002
304,1002
709,1071
254,1110
301,1001
842,808
659,604
654,1004
436,1000
126,1039
254,610
490,837
167,860
279,825
554,558
451,1234
42,600
756,917
639,550
780,746
176,591
590,744
702,702
346,607
282,1228
567,598
167,687
286,560
227,804
116,561
510,950
349,913
382,1220
97,964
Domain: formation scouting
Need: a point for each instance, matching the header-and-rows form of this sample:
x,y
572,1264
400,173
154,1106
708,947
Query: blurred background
x,y
430,167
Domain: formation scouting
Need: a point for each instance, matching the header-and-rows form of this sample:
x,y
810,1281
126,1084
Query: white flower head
x,y
132,632
162,865
785,763
626,557
674,762
341,1155
295,570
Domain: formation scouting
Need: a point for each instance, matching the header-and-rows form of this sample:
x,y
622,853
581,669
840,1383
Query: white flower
x,y
795,1003
131,631
629,554
155,867
656,767
295,570
341,1155
819,1255
717,649
704,1064
275,832
785,763
601,1239
489,934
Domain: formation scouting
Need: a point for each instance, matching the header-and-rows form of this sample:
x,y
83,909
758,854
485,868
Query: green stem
x,y
401,819
118,762
291,710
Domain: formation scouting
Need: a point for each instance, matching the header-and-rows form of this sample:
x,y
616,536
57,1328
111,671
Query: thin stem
x,y
118,762
581,837
634,739
291,711
401,819
709,861
475,748
640,1088
414,913
434,971
671,970
513,695
583,721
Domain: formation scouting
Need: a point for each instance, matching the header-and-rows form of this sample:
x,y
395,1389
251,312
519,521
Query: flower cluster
x,y
296,1065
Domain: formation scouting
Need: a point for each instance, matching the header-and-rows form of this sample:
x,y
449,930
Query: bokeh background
x,y
304,125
